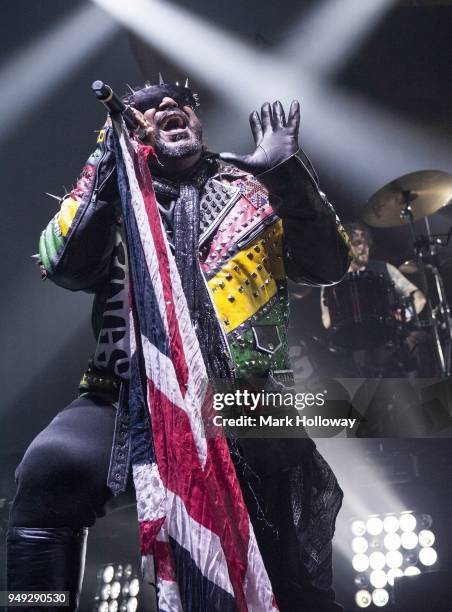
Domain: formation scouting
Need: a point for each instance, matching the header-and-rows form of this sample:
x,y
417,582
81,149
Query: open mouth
x,y
173,123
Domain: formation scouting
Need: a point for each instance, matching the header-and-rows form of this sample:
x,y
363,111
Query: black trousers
x,y
62,478
61,482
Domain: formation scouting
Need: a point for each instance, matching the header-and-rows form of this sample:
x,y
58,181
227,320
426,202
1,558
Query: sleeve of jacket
x,y
316,246
76,246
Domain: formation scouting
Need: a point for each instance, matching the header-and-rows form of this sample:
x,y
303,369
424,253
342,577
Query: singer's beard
x,y
178,149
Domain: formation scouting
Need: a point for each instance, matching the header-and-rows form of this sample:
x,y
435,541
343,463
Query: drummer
x,y
415,341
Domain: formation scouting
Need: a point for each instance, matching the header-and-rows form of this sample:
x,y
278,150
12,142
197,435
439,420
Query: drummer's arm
x,y
404,287
326,319
419,301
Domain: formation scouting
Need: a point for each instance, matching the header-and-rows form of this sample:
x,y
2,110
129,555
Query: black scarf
x,y
179,206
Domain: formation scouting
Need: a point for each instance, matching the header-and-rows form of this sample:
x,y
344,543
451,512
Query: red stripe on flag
x,y
164,562
212,497
148,533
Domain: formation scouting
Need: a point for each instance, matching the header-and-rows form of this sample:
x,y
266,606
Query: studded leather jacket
x,y
254,232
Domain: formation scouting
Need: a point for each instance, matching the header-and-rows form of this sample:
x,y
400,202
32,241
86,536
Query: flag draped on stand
x,y
193,520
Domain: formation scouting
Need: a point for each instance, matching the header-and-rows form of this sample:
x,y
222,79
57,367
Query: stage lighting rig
x,y
118,587
387,547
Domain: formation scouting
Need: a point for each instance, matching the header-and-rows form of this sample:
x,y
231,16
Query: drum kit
x,y
365,310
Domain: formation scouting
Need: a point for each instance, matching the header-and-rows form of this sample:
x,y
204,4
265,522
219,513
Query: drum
x,y
361,309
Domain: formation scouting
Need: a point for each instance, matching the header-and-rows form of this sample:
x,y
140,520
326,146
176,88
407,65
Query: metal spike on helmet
x,y
132,91
161,79
187,85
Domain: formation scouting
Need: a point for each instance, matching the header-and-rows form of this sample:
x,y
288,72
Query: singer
x,y
187,254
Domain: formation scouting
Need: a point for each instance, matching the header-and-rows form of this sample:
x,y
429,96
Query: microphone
x,y
105,94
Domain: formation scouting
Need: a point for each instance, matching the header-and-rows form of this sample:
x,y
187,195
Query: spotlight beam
x,y
327,37
367,145
191,42
32,75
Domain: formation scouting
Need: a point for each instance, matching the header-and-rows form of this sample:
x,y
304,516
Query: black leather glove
x,y
276,140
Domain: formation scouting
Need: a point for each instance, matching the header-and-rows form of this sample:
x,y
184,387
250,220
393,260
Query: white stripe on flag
x,y
160,370
169,598
150,492
203,545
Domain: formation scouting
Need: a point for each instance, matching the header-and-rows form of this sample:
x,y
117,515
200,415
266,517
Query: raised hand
x,y
276,140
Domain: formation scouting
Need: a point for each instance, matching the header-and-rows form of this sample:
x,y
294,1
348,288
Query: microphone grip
x,y
105,94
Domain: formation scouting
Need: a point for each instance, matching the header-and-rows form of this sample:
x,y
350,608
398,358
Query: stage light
x,y
409,540
391,524
108,574
374,526
395,547
360,563
394,559
132,604
428,556
380,597
407,522
117,589
377,560
359,545
105,592
392,541
426,538
363,599
358,528
378,579
394,573
134,587
411,570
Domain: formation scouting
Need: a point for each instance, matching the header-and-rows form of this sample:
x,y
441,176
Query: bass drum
x,y
361,310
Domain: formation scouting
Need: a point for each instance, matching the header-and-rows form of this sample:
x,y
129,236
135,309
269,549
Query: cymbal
x,y
411,267
425,192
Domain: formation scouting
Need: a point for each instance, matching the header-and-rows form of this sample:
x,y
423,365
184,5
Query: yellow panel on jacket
x,y
249,279
66,214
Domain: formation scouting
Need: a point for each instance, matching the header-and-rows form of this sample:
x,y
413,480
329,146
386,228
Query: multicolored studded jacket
x,y
254,233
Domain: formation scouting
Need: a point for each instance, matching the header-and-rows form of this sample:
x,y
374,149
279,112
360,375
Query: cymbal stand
x,y
432,244
421,248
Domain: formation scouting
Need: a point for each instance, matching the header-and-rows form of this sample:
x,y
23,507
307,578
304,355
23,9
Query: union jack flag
x,y
194,524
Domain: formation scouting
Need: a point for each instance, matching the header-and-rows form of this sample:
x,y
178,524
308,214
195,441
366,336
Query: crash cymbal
x,y
425,192
411,267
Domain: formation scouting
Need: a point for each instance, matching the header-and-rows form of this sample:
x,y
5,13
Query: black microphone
x,y
105,94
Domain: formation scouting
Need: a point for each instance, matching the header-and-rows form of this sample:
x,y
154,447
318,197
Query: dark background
x,y
383,112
